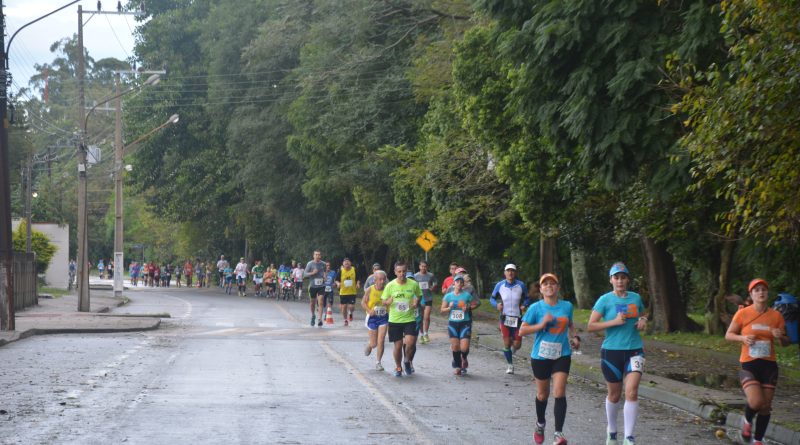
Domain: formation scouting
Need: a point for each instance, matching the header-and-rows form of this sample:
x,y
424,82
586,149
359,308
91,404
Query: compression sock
x,y
762,421
541,407
749,413
456,359
630,412
611,416
509,357
560,412
464,354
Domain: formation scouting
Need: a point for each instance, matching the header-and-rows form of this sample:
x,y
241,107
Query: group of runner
x,y
401,307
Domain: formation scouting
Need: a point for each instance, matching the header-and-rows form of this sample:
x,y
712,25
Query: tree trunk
x,y
713,317
669,307
580,278
547,254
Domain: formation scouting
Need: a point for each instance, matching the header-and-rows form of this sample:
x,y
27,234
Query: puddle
x,y
715,381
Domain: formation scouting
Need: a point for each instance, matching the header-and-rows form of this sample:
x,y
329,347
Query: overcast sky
x,y
103,35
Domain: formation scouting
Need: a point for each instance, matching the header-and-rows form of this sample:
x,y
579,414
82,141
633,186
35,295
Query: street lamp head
x,y
173,119
153,80
35,194
128,167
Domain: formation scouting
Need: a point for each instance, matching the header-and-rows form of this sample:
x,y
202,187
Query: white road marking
x,y
224,324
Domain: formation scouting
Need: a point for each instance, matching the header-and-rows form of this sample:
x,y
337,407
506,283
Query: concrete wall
x,y
58,272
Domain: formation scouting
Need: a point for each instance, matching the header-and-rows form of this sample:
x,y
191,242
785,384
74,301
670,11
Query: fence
x,y
25,293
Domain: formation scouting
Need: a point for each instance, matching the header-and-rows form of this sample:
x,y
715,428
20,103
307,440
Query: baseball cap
x,y
618,268
755,283
378,265
461,270
458,277
550,276
510,266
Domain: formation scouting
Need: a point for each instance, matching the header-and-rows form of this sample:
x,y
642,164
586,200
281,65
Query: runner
x,y
458,304
284,276
297,275
377,317
188,271
426,282
227,274
270,275
133,269
348,286
241,271
178,273
258,277
401,296
315,272
327,300
371,279
201,274
757,327
448,282
622,353
551,320
222,264
511,305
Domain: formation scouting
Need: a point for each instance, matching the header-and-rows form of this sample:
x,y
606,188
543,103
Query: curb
x,y
774,432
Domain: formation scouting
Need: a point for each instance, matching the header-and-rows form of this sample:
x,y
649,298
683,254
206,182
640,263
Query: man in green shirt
x,y
258,276
401,297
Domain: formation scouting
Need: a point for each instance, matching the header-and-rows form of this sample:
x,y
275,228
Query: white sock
x,y
630,412
611,415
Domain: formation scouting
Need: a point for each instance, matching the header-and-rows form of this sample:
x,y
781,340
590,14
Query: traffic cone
x,y
329,316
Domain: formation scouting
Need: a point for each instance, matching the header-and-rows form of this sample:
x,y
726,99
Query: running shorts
x,y
328,298
375,322
399,330
347,299
510,332
313,291
758,371
544,369
258,280
616,363
460,329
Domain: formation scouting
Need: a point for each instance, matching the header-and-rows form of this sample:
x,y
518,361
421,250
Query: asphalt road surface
x,y
226,369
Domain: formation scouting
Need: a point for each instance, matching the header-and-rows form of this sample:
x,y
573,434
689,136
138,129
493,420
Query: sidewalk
x,y
723,406
61,316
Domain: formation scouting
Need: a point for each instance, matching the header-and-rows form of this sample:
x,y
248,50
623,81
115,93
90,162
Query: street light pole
x,y
83,239
119,254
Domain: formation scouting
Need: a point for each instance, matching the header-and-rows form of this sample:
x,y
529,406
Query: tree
x,y
40,245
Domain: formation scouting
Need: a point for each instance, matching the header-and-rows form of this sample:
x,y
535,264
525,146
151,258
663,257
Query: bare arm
x,y
596,325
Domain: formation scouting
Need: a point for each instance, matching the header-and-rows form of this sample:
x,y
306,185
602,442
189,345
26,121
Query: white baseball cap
x,y
510,266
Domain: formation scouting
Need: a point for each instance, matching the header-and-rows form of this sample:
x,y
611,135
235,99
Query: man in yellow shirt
x,y
348,285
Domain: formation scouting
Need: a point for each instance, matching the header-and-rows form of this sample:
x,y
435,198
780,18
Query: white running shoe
x,y
510,369
378,366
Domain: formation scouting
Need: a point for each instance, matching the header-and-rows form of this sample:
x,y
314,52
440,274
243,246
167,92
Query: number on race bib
x,y
423,285
348,283
328,289
511,322
549,350
380,311
637,363
457,315
401,306
760,349
317,281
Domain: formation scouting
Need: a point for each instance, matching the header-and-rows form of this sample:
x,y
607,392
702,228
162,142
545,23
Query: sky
x,y
103,35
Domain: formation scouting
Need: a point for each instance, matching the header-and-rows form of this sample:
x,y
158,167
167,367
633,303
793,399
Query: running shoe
x,y
758,442
629,441
457,371
424,339
463,371
351,316
464,365
313,320
559,439
319,323
510,370
398,372
367,350
538,433
345,323
409,368
378,366
747,430
612,439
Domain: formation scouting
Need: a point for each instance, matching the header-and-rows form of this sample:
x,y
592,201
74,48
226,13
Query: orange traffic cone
x,y
329,316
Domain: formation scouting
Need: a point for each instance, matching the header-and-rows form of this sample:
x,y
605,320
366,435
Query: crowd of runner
x,y
400,306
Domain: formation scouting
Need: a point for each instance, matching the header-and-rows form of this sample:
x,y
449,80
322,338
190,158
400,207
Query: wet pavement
x,y
244,370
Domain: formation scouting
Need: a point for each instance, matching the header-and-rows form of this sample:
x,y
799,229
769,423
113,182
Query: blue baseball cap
x,y
458,277
618,268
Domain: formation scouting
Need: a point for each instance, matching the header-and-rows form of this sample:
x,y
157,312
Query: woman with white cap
x,y
621,314
550,319
510,298
757,327
457,304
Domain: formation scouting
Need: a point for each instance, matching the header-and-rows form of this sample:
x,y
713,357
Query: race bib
x,y
380,310
328,289
317,281
423,285
637,363
401,306
760,349
457,315
348,283
512,322
549,350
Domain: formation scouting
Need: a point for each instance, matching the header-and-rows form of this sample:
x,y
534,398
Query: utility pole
x,y
28,192
119,254
83,238
6,244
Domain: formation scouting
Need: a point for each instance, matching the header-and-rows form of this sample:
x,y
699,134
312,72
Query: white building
x,y
57,273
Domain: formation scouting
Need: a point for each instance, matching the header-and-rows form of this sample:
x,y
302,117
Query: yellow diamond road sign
x,y
427,240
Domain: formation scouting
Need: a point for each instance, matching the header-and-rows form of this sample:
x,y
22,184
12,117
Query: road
x,y
226,369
